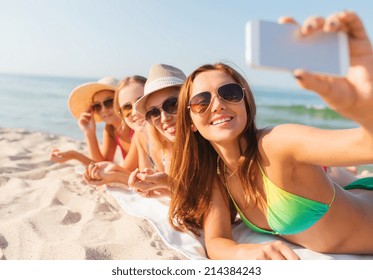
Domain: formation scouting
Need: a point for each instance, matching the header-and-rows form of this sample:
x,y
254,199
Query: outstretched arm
x,y
351,96
61,157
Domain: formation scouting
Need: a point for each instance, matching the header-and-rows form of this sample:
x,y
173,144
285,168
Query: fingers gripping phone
x,y
280,46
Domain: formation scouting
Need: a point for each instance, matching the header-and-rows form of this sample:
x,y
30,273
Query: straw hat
x,y
80,99
160,76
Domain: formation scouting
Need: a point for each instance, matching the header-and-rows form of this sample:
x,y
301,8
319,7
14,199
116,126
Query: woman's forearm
x,y
82,158
118,177
222,248
94,148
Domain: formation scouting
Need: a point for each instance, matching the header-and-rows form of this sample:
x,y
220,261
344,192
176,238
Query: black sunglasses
x,y
153,115
108,103
231,93
126,110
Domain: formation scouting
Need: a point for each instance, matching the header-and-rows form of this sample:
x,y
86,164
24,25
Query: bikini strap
x,y
217,165
260,168
224,178
333,197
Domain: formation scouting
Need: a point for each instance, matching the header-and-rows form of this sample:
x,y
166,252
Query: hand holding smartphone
x,y
281,47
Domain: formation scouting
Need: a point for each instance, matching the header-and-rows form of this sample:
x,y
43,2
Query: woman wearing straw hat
x,y
128,92
158,105
91,103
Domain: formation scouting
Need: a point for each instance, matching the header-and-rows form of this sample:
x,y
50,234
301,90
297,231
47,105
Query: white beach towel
x,y
156,210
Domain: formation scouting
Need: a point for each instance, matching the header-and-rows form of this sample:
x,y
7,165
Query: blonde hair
x,y
194,161
122,84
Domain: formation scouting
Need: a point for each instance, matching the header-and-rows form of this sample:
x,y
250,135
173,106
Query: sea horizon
x,y
39,103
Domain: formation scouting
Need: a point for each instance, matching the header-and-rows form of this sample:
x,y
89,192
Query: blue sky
x,y
92,38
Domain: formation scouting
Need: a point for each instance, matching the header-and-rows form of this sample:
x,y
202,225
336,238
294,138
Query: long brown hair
x,y
194,161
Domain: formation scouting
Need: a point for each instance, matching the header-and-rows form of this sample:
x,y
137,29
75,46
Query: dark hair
x,y
194,161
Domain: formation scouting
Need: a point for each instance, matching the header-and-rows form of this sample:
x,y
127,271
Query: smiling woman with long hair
x,y
154,144
272,177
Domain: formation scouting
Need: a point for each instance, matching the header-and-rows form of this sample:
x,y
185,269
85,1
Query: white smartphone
x,y
280,46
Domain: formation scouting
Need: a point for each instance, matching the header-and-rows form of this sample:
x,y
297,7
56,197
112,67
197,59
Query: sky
x,y
98,38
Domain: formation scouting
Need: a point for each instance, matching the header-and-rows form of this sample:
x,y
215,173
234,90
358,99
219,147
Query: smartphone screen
x,y
280,46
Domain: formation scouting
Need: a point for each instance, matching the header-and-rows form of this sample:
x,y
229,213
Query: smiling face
x,y
167,123
106,113
222,122
127,97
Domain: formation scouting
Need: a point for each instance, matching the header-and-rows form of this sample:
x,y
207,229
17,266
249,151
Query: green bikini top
x,y
287,213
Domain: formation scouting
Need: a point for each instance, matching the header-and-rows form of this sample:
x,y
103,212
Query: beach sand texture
x,y
47,211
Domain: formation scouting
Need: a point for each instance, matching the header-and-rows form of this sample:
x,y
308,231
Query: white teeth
x,y
221,121
171,129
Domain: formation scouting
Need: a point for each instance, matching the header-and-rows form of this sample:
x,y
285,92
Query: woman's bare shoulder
x,y
280,141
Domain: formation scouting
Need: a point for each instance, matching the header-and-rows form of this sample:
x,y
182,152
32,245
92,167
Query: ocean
x,y
39,103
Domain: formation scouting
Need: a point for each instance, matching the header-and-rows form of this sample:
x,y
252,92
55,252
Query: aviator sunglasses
x,y
126,110
231,93
108,103
153,115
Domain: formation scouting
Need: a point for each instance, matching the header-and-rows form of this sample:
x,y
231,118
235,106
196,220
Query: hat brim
x,y
80,99
140,104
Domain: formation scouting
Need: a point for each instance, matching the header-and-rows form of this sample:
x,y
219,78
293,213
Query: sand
x,y
48,212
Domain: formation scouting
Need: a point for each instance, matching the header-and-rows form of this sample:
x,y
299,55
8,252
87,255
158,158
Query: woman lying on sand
x,y
158,105
223,164
91,103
